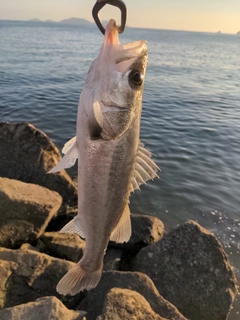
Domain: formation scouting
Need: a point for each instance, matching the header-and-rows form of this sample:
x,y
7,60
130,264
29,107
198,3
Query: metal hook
x,y
116,3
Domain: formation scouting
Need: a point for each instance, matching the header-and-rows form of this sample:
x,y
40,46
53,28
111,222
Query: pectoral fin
x,y
145,168
123,230
68,145
95,120
71,154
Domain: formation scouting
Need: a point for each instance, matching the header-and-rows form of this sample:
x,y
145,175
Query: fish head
x,y
115,81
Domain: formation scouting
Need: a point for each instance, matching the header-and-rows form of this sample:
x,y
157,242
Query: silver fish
x,y
112,160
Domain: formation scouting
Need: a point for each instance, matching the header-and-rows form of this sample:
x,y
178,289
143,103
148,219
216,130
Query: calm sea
x,y
190,120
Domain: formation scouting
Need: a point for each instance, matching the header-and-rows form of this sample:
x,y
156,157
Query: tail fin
x,y
77,280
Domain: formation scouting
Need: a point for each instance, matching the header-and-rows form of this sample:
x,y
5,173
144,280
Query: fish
x,y
112,161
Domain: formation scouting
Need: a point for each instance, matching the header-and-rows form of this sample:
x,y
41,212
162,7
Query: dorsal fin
x,y
71,154
145,168
123,230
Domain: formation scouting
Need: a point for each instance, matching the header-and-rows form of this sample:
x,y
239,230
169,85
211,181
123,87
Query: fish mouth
x,y
111,34
130,54
122,56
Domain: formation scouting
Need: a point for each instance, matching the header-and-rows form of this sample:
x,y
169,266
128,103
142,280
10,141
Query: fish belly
x,y
104,178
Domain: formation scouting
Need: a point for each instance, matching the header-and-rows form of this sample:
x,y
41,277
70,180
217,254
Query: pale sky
x,y
193,15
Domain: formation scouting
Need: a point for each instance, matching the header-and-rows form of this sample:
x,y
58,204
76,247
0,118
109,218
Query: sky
x,y
192,15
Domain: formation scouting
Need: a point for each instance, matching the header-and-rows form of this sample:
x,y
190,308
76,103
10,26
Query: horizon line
x,y
127,26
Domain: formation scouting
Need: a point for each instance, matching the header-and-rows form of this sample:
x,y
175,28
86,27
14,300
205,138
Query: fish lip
x,y
130,53
111,34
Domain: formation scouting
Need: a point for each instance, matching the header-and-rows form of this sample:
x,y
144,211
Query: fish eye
x,y
135,79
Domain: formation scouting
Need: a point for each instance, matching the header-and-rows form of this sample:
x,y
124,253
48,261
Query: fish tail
x,y
77,279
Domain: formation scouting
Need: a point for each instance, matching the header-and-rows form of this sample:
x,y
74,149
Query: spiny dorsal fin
x,y
71,154
145,168
73,227
123,230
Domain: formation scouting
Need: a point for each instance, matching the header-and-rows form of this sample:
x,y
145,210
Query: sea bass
x,y
112,162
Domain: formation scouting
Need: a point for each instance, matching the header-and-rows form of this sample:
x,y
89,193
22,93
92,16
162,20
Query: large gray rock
x,y
135,281
47,308
128,305
112,259
64,245
190,269
31,203
27,154
145,230
32,275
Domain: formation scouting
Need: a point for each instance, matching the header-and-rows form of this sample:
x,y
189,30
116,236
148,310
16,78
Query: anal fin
x,y
73,227
123,230
71,154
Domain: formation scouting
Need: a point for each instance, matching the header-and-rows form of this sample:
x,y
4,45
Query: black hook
x,y
116,3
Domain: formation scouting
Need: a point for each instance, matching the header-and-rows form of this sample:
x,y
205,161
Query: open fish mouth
x,y
131,50
120,55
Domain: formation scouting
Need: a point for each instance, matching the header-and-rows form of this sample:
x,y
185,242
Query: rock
x,y
127,304
63,217
28,246
127,280
191,270
112,259
35,275
6,269
42,309
31,203
15,232
145,230
27,154
64,245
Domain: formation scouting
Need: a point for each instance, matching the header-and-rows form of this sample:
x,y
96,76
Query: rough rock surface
x,y
27,154
15,232
190,269
63,217
6,269
31,276
128,305
112,259
128,280
47,308
27,202
28,246
145,230
64,245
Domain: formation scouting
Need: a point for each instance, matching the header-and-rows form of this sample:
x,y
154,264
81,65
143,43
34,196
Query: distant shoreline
x,y
83,22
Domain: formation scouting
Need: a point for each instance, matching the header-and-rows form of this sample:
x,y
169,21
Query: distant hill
x,y
73,21
238,32
78,21
50,21
35,20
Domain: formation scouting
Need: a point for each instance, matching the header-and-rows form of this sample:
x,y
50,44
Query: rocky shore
x,y
183,274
